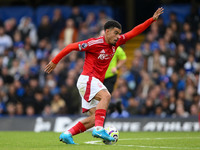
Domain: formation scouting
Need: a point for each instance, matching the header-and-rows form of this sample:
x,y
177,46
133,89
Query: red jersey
x,y
98,52
98,55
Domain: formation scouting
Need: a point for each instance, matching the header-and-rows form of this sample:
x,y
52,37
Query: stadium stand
x,y
161,79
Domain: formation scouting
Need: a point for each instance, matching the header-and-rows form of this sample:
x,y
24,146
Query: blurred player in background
x,y
98,54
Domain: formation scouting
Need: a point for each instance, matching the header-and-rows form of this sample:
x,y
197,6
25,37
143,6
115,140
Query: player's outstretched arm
x,y
140,28
52,64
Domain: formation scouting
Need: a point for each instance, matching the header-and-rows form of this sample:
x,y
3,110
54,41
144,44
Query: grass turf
x,y
133,141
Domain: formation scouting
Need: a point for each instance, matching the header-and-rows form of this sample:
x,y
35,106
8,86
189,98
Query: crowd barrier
x,y
135,124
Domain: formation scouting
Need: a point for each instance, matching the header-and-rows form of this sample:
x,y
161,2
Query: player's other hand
x,y
50,67
158,12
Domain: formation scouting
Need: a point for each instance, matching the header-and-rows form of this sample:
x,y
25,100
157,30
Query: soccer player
x,y
98,54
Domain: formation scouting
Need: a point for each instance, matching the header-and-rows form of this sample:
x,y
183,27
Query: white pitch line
x,y
142,146
160,147
173,138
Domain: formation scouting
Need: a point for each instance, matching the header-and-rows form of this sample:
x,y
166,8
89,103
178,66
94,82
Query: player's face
x,y
113,35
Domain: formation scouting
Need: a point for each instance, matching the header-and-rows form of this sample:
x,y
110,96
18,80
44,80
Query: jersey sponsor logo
x,y
92,42
105,56
102,56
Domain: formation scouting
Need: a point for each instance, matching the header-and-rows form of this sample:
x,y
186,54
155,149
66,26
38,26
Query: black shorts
x,y
110,82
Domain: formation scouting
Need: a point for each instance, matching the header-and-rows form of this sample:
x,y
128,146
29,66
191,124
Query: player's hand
x,y
50,67
114,70
158,12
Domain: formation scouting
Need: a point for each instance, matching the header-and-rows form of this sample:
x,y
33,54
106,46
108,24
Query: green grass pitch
x,y
127,141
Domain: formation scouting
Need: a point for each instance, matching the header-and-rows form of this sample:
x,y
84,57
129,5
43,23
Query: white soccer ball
x,y
113,132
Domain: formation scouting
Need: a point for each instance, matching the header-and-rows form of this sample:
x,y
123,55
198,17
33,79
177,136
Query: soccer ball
x,y
112,131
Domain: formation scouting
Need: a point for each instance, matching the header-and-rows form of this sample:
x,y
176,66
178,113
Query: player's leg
x,y
89,122
100,114
80,127
95,94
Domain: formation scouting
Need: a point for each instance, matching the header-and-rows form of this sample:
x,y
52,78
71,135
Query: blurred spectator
x,y
175,29
84,33
115,100
11,109
69,34
47,96
150,38
148,107
43,50
18,43
164,49
116,109
5,41
3,99
58,24
47,111
44,29
58,105
193,18
161,26
154,30
76,16
198,34
182,56
102,19
26,55
180,112
27,29
30,111
7,78
72,99
189,42
125,94
39,102
171,66
156,61
10,27
91,24
19,109
194,110
197,52
145,85
191,65
186,28
133,107
173,18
